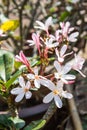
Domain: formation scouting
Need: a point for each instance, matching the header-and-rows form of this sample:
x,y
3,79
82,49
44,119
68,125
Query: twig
x,y
73,111
50,112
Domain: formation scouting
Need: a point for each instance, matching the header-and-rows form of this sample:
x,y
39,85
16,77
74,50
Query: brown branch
x,y
74,112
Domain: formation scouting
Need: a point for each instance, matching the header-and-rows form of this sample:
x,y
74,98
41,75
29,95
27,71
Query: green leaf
x,y
19,123
35,125
13,78
4,121
6,64
64,15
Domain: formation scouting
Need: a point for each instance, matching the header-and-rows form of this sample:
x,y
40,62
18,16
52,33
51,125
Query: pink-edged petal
x,y
66,69
28,85
58,101
81,73
69,77
73,36
64,80
17,90
63,50
28,95
67,24
48,98
48,22
47,83
57,66
37,83
19,97
21,81
41,25
71,29
31,76
60,59
67,95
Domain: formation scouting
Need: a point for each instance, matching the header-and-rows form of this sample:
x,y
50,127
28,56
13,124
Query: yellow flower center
x,y
36,77
26,90
56,92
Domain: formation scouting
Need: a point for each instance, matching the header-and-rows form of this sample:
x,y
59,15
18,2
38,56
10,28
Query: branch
x,y
73,111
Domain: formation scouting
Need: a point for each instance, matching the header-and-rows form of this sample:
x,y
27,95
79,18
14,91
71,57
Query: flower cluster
x,y
57,45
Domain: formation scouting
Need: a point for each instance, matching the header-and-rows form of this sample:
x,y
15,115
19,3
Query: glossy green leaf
x,y
13,78
18,123
6,64
35,125
4,121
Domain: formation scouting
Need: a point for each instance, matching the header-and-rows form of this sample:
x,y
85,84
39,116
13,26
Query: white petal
x,y
36,71
67,95
48,97
66,68
73,36
40,23
57,66
28,85
63,50
19,97
60,84
28,95
16,91
47,83
48,22
30,76
69,76
58,101
37,83
21,81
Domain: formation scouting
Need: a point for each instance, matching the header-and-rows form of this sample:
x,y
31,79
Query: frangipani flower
x,y
35,77
62,72
61,54
66,30
35,41
22,58
50,43
77,64
56,93
22,91
45,26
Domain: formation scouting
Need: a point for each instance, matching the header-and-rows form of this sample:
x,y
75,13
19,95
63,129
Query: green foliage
x,y
5,122
8,122
18,123
35,125
64,15
6,64
13,78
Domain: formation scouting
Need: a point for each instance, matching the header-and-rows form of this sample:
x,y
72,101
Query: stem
x,y
50,112
11,106
73,111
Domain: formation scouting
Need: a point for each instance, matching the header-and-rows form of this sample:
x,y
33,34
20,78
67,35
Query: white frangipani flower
x,y
62,72
61,54
66,32
44,26
56,93
50,43
35,77
77,64
22,91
